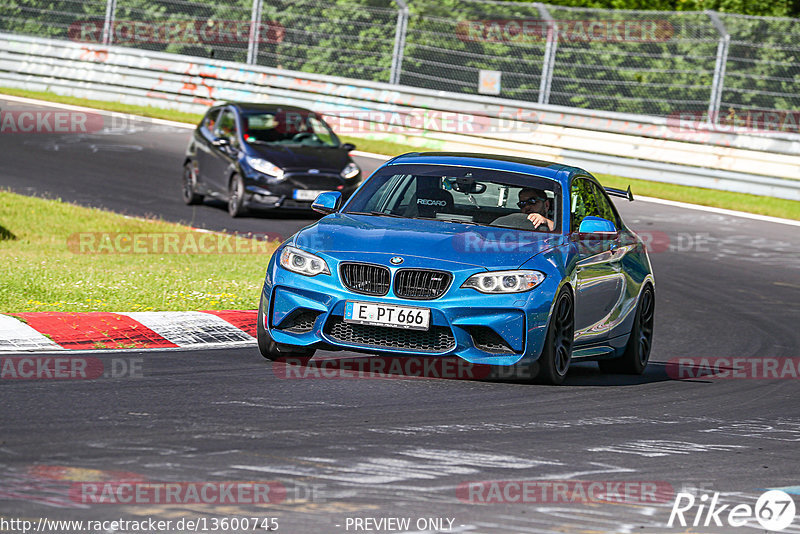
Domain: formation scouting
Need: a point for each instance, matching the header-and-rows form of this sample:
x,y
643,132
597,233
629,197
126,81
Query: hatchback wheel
x,y
236,196
190,185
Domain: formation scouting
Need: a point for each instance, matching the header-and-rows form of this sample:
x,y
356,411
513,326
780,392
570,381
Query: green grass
x,y
144,111
774,207
789,209
43,268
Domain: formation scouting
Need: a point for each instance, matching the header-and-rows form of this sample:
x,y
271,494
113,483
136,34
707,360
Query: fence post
x,y
108,24
399,42
255,25
718,82
549,60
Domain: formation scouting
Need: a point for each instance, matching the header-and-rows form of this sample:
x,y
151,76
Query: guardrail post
x,y
108,24
399,42
549,60
255,25
718,82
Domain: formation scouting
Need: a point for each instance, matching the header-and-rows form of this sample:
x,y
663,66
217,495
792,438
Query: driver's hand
x,y
538,220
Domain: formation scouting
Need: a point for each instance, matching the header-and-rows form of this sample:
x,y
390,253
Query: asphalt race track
x,y
345,450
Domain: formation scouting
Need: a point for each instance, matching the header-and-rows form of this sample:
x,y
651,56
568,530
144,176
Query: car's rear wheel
x,y
557,353
190,185
236,196
269,348
637,351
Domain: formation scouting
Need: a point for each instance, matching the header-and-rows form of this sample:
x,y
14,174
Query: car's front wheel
x,y
637,351
190,185
268,347
557,353
236,196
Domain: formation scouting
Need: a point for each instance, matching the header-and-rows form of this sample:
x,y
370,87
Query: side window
x,y
322,133
581,202
210,121
587,200
226,127
604,208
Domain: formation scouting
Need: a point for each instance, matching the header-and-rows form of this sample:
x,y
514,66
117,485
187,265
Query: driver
x,y
533,203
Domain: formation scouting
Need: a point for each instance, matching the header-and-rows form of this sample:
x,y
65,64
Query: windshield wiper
x,y
375,213
459,221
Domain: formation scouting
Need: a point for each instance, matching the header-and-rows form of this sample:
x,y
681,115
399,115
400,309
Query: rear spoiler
x,y
620,193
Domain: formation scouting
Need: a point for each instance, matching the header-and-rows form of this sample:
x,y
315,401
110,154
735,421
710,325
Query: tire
x,y
189,183
637,351
236,196
271,350
557,352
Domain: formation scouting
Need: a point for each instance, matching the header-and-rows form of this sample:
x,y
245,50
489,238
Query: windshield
x,y
287,128
461,194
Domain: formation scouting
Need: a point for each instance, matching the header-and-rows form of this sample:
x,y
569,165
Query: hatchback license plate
x,y
387,315
307,194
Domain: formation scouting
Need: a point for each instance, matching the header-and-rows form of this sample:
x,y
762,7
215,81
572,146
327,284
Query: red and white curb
x,y
49,331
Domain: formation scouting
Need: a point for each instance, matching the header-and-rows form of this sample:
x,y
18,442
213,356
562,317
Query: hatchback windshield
x,y
463,195
287,128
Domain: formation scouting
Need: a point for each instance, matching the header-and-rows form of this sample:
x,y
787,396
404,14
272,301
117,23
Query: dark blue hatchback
x,y
266,156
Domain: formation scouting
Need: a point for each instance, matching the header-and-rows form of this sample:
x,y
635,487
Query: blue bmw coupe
x,y
498,260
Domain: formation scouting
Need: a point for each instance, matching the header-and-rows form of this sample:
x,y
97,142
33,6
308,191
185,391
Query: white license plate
x,y
387,315
307,194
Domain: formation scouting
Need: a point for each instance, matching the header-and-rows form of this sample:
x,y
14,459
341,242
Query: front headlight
x,y
265,167
504,281
351,170
302,262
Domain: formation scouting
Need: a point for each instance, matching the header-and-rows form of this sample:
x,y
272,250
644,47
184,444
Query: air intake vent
x,y
421,284
300,321
365,278
488,340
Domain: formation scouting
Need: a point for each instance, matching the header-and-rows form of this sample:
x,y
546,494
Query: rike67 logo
x,y
774,510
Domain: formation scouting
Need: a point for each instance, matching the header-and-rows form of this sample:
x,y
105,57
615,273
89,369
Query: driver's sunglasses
x,y
531,201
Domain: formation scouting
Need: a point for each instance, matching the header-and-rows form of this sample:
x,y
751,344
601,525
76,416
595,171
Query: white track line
x,y
382,157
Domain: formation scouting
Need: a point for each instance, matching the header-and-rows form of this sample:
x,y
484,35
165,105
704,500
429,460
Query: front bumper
x,y
480,328
264,192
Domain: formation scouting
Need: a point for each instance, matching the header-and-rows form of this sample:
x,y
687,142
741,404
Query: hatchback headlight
x,y
302,262
504,281
265,167
351,170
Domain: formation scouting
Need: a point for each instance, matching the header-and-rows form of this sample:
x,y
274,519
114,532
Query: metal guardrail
x,y
622,144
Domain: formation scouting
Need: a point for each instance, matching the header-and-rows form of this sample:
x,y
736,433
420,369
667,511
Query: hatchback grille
x,y
421,284
436,339
365,278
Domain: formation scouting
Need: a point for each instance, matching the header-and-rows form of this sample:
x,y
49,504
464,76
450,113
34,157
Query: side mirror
x,y
597,227
327,202
221,142
348,146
